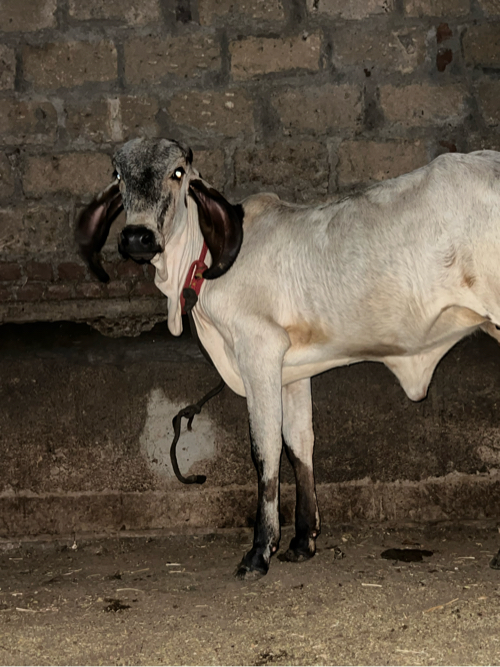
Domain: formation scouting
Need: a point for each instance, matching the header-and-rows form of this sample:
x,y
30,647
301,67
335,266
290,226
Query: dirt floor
x,y
174,601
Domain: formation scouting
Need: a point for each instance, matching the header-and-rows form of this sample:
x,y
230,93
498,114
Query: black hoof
x,y
299,551
244,574
253,566
291,556
495,562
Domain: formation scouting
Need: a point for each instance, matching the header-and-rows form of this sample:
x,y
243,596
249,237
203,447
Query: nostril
x,y
147,238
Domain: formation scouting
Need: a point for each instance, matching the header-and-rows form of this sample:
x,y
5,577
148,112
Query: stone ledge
x,y
112,317
455,497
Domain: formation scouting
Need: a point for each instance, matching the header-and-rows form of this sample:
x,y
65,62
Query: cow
x,y
397,273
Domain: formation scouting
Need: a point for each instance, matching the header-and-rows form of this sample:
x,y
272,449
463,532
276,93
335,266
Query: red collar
x,y
194,278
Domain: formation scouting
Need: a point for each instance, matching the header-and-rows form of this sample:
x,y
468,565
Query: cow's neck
x,y
173,264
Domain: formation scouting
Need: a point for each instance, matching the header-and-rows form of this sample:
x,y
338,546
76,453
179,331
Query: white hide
x,y
397,274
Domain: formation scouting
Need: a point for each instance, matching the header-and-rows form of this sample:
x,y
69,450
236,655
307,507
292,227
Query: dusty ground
x,y
173,600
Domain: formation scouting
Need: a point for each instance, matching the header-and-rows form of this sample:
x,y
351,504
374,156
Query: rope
x,y
190,411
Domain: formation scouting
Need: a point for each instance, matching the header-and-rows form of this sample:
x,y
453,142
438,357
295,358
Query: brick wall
x,y
308,98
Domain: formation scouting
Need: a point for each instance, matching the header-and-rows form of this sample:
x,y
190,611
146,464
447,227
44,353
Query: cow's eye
x,y
117,175
178,174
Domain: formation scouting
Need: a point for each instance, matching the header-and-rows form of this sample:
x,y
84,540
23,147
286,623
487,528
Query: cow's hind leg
x,y
298,436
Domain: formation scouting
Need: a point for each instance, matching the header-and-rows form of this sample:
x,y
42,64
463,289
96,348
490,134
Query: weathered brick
x,y
401,50
89,121
10,225
324,108
114,119
30,292
117,289
34,230
268,10
68,64
138,117
151,59
484,141
110,268
255,56
422,8
444,57
229,113
146,289
297,171
490,7
7,185
129,269
27,121
368,161
7,68
90,290
10,271
443,33
59,292
489,101
210,164
71,271
27,15
130,11
350,9
481,45
76,173
6,294
45,229
39,270
421,105
150,271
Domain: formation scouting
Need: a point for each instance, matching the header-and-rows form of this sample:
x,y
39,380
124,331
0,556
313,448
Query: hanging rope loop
x,y
190,411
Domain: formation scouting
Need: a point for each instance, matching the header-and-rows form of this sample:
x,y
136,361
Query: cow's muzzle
x,y
138,243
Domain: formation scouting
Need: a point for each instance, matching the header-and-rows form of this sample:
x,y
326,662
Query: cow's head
x,y
153,180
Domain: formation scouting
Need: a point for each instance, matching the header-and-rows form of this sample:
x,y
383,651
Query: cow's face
x,y
154,181
153,177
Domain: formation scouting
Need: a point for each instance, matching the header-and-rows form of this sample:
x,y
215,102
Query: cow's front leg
x,y
267,529
261,372
299,442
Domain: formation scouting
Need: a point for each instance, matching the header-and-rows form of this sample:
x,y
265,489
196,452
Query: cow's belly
x,y
308,370
300,363
411,359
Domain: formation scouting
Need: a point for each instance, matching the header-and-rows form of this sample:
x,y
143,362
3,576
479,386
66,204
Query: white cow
x,y
398,273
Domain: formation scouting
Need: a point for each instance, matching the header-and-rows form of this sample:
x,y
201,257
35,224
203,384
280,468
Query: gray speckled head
x,y
142,165
157,186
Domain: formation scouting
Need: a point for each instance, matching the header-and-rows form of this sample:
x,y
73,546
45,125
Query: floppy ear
x,y
93,225
221,224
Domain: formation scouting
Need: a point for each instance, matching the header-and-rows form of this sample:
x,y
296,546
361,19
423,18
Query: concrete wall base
x,y
86,429
455,497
